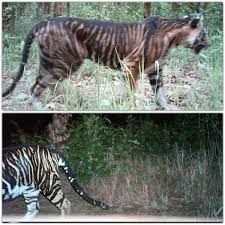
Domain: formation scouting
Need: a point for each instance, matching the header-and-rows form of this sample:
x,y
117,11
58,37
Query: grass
x,y
184,184
95,87
206,89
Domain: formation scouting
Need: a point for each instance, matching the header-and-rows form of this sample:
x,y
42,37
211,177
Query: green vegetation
x,y
192,82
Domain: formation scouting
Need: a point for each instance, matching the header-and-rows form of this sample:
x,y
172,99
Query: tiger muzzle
x,y
198,47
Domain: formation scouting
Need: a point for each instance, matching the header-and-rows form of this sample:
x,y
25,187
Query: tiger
x,y
31,170
65,42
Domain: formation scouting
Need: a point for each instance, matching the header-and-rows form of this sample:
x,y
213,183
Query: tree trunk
x,y
4,6
147,9
21,8
68,8
198,4
13,16
5,17
8,16
58,131
205,5
195,7
175,6
39,7
58,9
47,7
158,6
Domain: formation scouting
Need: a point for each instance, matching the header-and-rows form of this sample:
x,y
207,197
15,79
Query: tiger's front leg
x,y
31,198
156,81
55,195
132,71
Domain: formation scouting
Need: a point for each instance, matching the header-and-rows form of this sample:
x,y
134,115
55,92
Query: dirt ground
x,y
86,86
81,211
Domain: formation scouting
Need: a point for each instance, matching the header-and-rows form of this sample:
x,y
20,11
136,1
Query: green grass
x,y
206,92
93,91
95,87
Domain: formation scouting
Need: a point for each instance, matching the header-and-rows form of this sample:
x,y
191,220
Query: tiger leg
x,y
48,76
65,209
43,80
132,73
57,198
156,81
31,198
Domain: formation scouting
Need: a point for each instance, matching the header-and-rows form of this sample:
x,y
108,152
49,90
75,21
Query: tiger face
x,y
196,37
202,42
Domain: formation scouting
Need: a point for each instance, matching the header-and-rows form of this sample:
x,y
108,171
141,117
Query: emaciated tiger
x,y
31,170
65,42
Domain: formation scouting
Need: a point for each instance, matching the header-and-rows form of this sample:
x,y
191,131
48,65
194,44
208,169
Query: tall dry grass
x,y
184,184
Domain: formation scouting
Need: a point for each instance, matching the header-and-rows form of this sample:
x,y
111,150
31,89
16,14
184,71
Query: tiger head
x,y
196,37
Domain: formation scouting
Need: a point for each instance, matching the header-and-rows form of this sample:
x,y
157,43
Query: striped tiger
x,y
65,42
31,170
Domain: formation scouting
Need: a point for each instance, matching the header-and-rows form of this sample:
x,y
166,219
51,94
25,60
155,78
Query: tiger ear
x,y
197,21
187,17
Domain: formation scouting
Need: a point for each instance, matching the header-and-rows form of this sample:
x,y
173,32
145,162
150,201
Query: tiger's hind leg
x,y
43,80
49,76
49,79
65,209
31,198
56,196
156,81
